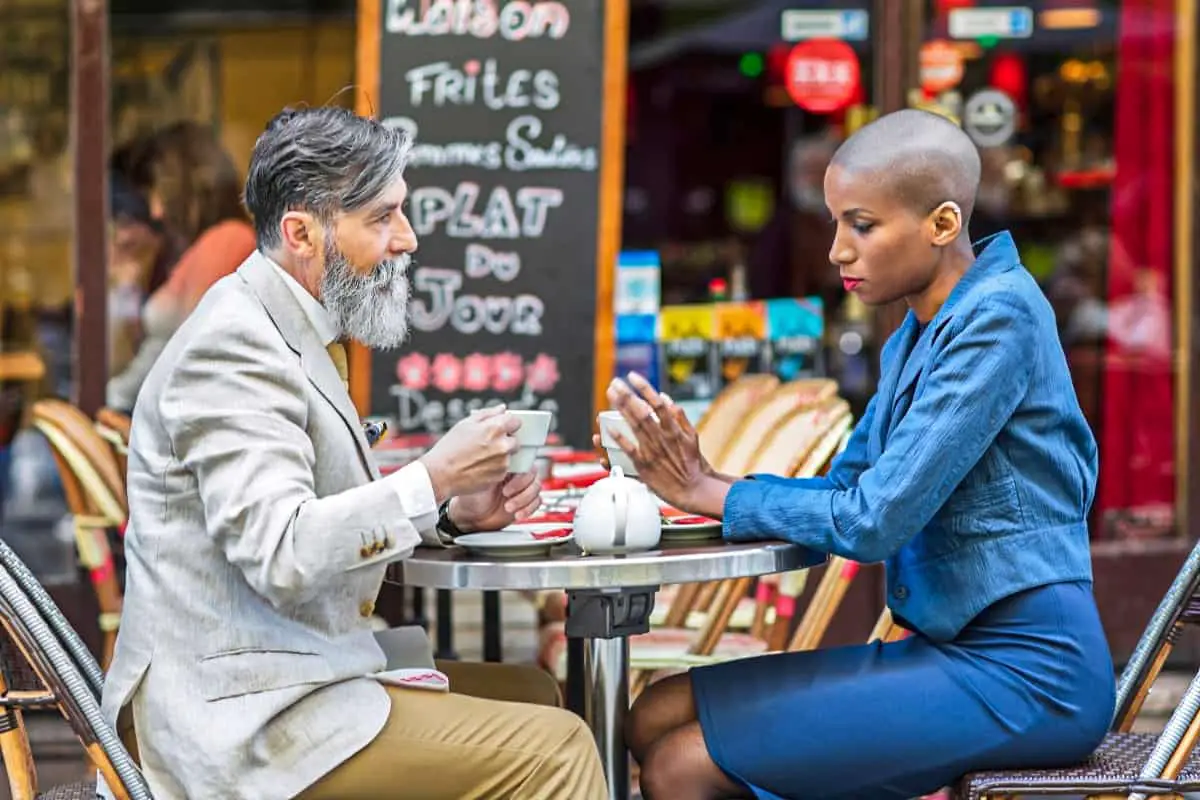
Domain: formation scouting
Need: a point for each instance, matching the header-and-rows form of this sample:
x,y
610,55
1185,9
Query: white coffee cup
x,y
531,437
613,421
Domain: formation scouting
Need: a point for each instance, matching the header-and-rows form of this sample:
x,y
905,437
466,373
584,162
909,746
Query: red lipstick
x,y
851,283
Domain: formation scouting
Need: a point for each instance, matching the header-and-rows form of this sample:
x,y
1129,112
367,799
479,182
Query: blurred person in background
x,y
137,265
194,194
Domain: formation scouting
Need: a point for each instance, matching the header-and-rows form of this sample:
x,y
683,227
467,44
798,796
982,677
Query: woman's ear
x,y
947,221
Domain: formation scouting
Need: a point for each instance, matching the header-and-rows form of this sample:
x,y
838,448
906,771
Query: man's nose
x,y
404,238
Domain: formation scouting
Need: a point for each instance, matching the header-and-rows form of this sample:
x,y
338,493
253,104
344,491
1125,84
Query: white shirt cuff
x,y
415,490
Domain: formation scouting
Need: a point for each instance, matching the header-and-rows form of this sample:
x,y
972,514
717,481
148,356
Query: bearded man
x,y
260,529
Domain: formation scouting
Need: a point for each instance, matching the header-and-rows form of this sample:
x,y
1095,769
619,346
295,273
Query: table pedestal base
x,y
606,618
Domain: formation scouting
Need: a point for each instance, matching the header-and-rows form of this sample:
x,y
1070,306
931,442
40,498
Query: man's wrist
x,y
454,521
442,491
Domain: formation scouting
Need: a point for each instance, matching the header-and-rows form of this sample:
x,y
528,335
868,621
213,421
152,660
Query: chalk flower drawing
x,y
447,372
508,372
477,372
542,374
413,371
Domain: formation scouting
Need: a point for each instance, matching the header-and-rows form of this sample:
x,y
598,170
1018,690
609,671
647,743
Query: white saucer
x,y
693,532
515,541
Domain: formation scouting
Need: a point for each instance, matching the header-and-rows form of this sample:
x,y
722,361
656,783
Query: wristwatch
x,y
445,524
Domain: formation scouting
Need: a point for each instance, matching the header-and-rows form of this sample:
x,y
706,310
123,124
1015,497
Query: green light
x,y
751,65
988,42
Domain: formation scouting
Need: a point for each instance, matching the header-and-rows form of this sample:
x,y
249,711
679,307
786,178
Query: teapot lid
x,y
617,477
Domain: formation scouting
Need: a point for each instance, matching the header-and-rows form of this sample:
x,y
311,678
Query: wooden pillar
x,y
896,38
89,156
1186,289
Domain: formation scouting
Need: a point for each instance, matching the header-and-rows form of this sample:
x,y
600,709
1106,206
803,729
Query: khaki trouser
x,y
498,734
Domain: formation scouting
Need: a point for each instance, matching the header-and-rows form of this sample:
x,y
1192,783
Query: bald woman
x,y
969,477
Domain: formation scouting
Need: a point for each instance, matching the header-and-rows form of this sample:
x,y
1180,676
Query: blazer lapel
x,y
259,273
888,382
914,362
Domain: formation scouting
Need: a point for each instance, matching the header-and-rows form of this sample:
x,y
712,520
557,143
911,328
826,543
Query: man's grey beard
x,y
371,309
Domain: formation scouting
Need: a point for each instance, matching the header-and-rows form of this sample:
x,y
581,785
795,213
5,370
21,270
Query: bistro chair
x,y
95,491
729,409
45,665
113,427
1127,765
753,434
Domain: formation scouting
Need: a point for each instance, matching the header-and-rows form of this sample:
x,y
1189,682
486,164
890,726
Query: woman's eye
x,y
864,227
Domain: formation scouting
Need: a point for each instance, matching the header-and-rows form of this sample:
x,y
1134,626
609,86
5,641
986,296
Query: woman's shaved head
x,y
901,191
921,157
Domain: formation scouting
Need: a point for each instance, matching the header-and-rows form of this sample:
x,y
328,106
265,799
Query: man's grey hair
x,y
320,160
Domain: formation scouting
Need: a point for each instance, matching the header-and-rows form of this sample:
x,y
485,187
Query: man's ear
x,y
301,234
947,222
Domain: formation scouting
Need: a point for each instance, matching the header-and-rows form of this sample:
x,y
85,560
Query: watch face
x,y
444,524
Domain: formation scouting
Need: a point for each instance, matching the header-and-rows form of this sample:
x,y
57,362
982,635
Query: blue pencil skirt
x,y
1029,682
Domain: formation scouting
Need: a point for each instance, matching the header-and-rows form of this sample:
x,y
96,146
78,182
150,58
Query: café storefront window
x,y
36,274
1074,108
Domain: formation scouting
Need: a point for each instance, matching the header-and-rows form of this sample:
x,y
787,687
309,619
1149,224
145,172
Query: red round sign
x,y
822,75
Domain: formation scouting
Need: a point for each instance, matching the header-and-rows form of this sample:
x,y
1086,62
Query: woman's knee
x,y
678,767
662,771
662,707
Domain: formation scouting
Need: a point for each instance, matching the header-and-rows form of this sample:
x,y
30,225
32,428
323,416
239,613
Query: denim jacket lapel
x,y
889,380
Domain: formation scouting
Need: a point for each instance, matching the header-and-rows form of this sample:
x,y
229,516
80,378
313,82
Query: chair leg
x,y
705,595
720,612
764,596
15,751
682,605
1179,758
1177,739
1129,716
840,573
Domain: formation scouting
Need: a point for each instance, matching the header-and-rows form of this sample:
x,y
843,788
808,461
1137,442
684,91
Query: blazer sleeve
x,y
236,415
972,386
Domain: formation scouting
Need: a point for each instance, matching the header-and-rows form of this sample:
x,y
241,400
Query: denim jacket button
x,y
900,592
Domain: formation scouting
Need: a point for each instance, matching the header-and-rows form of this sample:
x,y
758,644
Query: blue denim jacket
x,y
971,472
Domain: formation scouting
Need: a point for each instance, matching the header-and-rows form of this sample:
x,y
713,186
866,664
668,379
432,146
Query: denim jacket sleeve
x,y
847,466
972,384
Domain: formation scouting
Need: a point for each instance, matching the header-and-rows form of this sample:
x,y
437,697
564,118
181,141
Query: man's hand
x,y
473,455
513,499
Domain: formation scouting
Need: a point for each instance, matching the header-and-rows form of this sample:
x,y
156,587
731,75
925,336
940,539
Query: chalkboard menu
x,y
504,103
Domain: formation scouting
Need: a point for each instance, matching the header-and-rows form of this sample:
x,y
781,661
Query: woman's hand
x,y
667,452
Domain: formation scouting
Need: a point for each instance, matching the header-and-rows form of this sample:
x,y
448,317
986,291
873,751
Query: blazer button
x,y
900,593
367,608
365,551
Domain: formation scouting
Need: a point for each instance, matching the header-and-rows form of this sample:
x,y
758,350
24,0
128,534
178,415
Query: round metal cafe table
x,y
609,599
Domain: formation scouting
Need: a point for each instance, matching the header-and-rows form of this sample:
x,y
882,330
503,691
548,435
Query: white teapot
x,y
617,515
